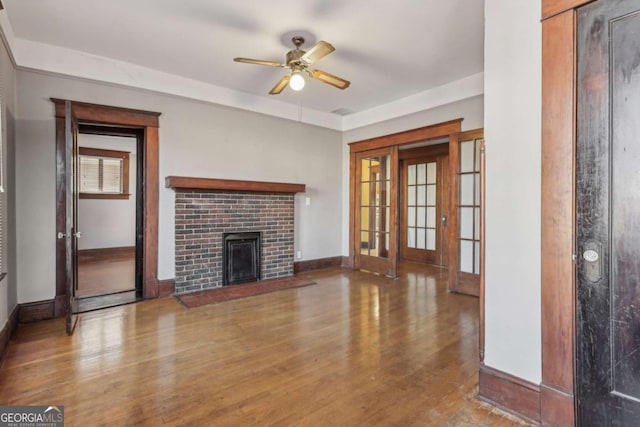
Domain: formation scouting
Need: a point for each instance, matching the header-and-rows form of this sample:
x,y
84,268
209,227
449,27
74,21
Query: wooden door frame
x,y
120,117
559,85
436,131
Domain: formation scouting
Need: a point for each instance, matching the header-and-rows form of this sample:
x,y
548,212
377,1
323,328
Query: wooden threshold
x,y
107,253
192,183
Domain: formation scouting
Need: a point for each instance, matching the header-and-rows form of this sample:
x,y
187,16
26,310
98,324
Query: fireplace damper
x,y
241,258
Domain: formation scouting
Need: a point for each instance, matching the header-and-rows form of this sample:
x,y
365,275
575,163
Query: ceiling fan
x,y
298,61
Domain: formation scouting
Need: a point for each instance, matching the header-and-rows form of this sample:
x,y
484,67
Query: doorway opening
x,y
416,196
424,203
109,216
107,121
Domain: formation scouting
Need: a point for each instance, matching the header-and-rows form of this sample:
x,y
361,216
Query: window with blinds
x,y
104,173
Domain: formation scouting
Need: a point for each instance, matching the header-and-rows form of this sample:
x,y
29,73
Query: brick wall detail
x,y
202,217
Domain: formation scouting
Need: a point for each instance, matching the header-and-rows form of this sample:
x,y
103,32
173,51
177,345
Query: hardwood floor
x,y
104,275
356,349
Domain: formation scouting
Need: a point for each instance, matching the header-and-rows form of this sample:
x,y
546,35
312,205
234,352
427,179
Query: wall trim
x,y
347,262
552,8
166,287
558,216
218,184
35,311
317,264
510,393
557,408
7,332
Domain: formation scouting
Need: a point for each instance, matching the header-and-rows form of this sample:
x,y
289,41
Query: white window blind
x,y
89,174
101,175
111,175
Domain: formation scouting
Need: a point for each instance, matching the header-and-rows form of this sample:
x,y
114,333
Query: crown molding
x,y
7,36
61,61
55,60
458,90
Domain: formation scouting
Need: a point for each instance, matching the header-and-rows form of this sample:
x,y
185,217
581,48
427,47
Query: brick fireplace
x,y
208,209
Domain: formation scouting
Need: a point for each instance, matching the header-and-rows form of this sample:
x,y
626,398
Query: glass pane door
x,y
375,248
424,198
469,207
466,199
421,205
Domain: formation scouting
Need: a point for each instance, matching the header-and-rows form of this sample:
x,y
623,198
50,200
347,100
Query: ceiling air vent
x,y
342,111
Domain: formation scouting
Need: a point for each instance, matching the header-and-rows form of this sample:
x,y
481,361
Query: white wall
x,y
8,285
470,109
196,139
513,144
109,223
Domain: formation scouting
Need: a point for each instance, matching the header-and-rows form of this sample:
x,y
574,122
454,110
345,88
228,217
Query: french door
x,y
71,233
425,210
608,214
375,210
465,255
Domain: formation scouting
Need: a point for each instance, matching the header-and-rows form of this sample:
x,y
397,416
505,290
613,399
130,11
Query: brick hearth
x,y
203,216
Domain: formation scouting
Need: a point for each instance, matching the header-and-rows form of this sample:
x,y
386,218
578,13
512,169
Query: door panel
x,y
71,233
464,234
608,214
424,205
375,213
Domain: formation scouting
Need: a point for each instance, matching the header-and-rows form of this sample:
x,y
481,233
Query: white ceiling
x,y
388,49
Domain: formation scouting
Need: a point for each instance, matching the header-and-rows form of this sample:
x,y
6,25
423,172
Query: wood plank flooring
x,y
356,349
106,275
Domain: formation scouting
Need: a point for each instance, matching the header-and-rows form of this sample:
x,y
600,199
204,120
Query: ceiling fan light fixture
x,y
297,81
299,61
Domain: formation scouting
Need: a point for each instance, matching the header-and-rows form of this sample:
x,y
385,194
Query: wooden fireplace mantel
x,y
191,183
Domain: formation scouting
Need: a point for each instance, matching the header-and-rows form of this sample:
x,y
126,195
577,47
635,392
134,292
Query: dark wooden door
x,y
425,210
71,234
608,214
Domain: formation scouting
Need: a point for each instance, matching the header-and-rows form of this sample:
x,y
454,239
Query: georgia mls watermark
x,y
31,416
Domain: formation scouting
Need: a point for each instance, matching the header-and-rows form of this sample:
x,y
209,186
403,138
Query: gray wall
x,y
8,286
196,139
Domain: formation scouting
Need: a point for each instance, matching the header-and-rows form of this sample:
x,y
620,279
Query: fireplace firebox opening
x,y
241,258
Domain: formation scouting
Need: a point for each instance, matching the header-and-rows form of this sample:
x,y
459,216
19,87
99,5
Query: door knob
x,y
590,255
77,234
444,219
61,235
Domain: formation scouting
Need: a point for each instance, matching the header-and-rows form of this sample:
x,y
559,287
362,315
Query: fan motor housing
x,y
293,56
